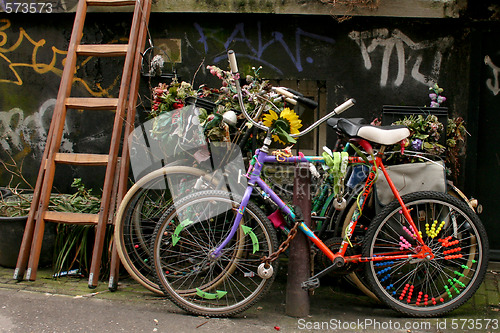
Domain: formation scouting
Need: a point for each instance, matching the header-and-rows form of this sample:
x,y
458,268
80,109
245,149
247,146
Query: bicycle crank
x,y
324,262
313,281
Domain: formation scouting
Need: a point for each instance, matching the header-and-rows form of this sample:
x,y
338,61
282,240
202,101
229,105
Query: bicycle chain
x,y
282,248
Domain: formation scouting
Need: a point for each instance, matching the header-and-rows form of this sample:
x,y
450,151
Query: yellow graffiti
x,y
54,65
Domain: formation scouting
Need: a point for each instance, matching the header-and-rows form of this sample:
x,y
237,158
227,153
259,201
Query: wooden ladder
x,y
39,213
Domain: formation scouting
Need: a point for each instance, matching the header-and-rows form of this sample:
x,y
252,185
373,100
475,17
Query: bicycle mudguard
x,y
472,202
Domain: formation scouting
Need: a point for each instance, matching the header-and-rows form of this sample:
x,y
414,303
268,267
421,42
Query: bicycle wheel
x,y
139,212
182,247
443,281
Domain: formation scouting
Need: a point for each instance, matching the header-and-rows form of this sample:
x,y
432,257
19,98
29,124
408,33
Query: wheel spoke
x,y
204,284
433,284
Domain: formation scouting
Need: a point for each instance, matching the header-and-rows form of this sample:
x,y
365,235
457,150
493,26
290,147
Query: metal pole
x,y
297,299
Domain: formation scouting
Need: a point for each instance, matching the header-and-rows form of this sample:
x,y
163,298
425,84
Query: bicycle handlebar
x,y
296,97
234,70
338,110
232,61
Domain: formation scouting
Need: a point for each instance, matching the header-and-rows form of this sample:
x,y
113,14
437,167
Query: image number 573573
x,y
25,7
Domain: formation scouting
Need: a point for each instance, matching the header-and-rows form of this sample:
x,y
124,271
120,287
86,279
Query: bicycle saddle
x,y
384,135
332,122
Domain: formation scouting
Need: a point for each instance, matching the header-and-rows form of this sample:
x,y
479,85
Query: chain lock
x,y
267,260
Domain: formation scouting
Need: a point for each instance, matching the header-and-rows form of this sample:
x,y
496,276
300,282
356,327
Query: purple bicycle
x,y
214,252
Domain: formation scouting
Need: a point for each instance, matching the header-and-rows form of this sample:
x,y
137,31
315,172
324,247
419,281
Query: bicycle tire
x,y
135,226
184,240
436,285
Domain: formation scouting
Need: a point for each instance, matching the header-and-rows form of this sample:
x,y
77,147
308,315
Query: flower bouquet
x,y
426,138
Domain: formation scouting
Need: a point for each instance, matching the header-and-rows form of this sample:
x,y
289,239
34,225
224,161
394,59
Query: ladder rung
x,y
81,159
71,218
102,50
110,2
91,103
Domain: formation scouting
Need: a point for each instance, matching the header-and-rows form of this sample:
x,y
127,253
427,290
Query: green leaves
x,y
215,121
282,128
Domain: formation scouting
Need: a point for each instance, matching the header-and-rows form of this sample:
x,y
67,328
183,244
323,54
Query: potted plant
x,y
434,135
14,208
63,246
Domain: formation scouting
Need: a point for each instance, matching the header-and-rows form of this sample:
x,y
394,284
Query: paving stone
x,y
490,283
494,299
329,297
482,289
480,301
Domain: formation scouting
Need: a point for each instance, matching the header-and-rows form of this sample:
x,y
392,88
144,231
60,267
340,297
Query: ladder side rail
x,y
129,127
114,149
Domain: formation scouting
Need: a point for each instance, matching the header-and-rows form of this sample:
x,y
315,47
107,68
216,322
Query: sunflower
x,y
282,125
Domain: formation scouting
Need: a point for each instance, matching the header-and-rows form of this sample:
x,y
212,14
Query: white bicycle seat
x,y
384,135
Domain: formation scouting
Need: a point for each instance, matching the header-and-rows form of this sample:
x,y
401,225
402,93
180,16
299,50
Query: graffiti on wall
x,y
25,41
257,48
493,85
38,50
381,40
20,133
374,44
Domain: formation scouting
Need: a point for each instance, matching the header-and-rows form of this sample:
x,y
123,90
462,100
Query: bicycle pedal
x,y
309,284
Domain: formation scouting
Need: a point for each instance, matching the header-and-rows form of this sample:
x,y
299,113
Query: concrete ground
x,y
66,304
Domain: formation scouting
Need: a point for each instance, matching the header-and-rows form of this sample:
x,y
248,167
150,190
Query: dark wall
x,y
375,60
486,162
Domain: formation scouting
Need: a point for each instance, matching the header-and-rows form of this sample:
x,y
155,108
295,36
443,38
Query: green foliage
x,y
74,243
282,130
174,127
170,97
425,133
424,140
73,249
455,141
81,202
425,136
225,96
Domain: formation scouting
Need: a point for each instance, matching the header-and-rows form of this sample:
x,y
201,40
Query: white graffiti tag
x,y
368,41
16,131
494,87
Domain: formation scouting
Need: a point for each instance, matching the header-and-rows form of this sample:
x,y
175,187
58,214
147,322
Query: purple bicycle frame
x,y
253,174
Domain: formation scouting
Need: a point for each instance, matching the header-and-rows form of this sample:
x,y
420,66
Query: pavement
x,y
66,304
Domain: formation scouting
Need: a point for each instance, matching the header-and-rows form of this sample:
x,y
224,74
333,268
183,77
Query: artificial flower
x,y
416,144
282,125
436,98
